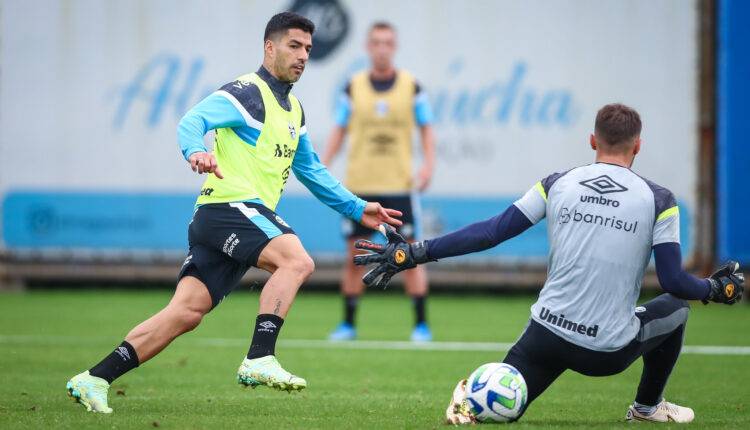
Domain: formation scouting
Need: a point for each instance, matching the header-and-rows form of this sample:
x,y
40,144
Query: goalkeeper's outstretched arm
x,y
479,236
725,285
399,255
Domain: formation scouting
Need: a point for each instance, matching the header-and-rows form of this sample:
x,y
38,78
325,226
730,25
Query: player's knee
x,y
302,265
189,319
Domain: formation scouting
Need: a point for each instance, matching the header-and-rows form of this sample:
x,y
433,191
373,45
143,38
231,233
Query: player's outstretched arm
x,y
724,286
329,190
398,255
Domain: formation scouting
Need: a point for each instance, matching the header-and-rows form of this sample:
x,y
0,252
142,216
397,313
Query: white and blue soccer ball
x,y
496,392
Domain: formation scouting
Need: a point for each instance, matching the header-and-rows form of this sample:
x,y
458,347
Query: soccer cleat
x,y
343,331
459,411
665,412
90,391
421,333
267,371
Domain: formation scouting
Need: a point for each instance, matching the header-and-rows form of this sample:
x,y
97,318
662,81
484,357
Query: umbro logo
x,y
267,326
123,352
603,185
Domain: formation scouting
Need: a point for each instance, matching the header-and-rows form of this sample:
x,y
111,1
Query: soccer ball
x,y
496,392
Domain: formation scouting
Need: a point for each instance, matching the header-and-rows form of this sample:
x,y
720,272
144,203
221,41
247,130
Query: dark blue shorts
x,y
225,240
541,355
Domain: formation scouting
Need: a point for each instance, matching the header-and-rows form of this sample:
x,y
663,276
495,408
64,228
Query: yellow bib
x,y
380,136
259,171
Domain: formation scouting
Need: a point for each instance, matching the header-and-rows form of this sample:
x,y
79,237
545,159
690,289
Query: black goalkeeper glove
x,y
395,256
727,284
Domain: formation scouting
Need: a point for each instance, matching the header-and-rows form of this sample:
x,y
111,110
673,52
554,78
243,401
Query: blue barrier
x,y
733,129
34,220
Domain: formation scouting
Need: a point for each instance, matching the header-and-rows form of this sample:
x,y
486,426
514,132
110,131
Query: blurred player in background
x,y
379,109
260,137
604,222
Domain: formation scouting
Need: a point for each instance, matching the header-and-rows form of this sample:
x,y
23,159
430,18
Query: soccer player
x,y
260,138
379,109
604,222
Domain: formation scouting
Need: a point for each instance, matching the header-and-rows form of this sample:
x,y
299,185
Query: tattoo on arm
x,y
277,308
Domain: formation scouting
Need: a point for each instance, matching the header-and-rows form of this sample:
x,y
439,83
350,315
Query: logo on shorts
x,y
187,260
640,309
399,256
267,326
230,244
603,185
281,221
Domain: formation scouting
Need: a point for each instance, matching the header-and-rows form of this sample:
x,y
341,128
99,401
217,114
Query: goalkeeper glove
x,y
726,284
395,256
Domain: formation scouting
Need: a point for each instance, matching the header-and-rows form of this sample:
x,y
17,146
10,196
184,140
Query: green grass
x,y
46,337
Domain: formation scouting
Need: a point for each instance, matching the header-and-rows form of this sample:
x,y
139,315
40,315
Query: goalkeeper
x,y
604,221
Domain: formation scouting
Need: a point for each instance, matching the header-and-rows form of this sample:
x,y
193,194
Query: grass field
x,y
46,337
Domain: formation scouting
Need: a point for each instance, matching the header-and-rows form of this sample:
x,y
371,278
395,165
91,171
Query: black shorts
x,y
406,203
541,356
225,240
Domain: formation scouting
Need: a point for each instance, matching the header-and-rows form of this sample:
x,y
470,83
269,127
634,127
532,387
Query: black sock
x,y
123,359
267,327
419,308
350,309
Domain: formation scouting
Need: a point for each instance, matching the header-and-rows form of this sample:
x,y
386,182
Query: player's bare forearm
x,y
427,136
335,141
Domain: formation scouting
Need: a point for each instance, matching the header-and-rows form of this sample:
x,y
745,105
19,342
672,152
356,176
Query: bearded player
x,y
260,138
604,223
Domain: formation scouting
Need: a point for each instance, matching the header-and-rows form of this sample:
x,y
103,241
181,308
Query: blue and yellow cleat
x,y
421,333
343,331
267,371
90,391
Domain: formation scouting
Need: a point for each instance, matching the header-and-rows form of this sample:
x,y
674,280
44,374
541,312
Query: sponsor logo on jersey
x,y
600,200
207,191
560,321
603,185
230,244
566,216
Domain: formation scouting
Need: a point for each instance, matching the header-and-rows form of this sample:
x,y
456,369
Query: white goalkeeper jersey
x,y
602,220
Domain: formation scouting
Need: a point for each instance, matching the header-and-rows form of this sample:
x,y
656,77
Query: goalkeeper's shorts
x,y
225,240
541,355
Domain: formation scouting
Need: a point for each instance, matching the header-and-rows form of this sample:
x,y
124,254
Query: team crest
x,y
292,131
381,107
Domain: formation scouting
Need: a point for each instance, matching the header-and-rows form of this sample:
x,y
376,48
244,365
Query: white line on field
x,y
383,345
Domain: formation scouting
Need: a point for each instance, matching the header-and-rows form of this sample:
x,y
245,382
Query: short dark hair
x,y
617,123
287,20
381,25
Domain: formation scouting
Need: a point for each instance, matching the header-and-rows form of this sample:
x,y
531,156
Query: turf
x,y
46,337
